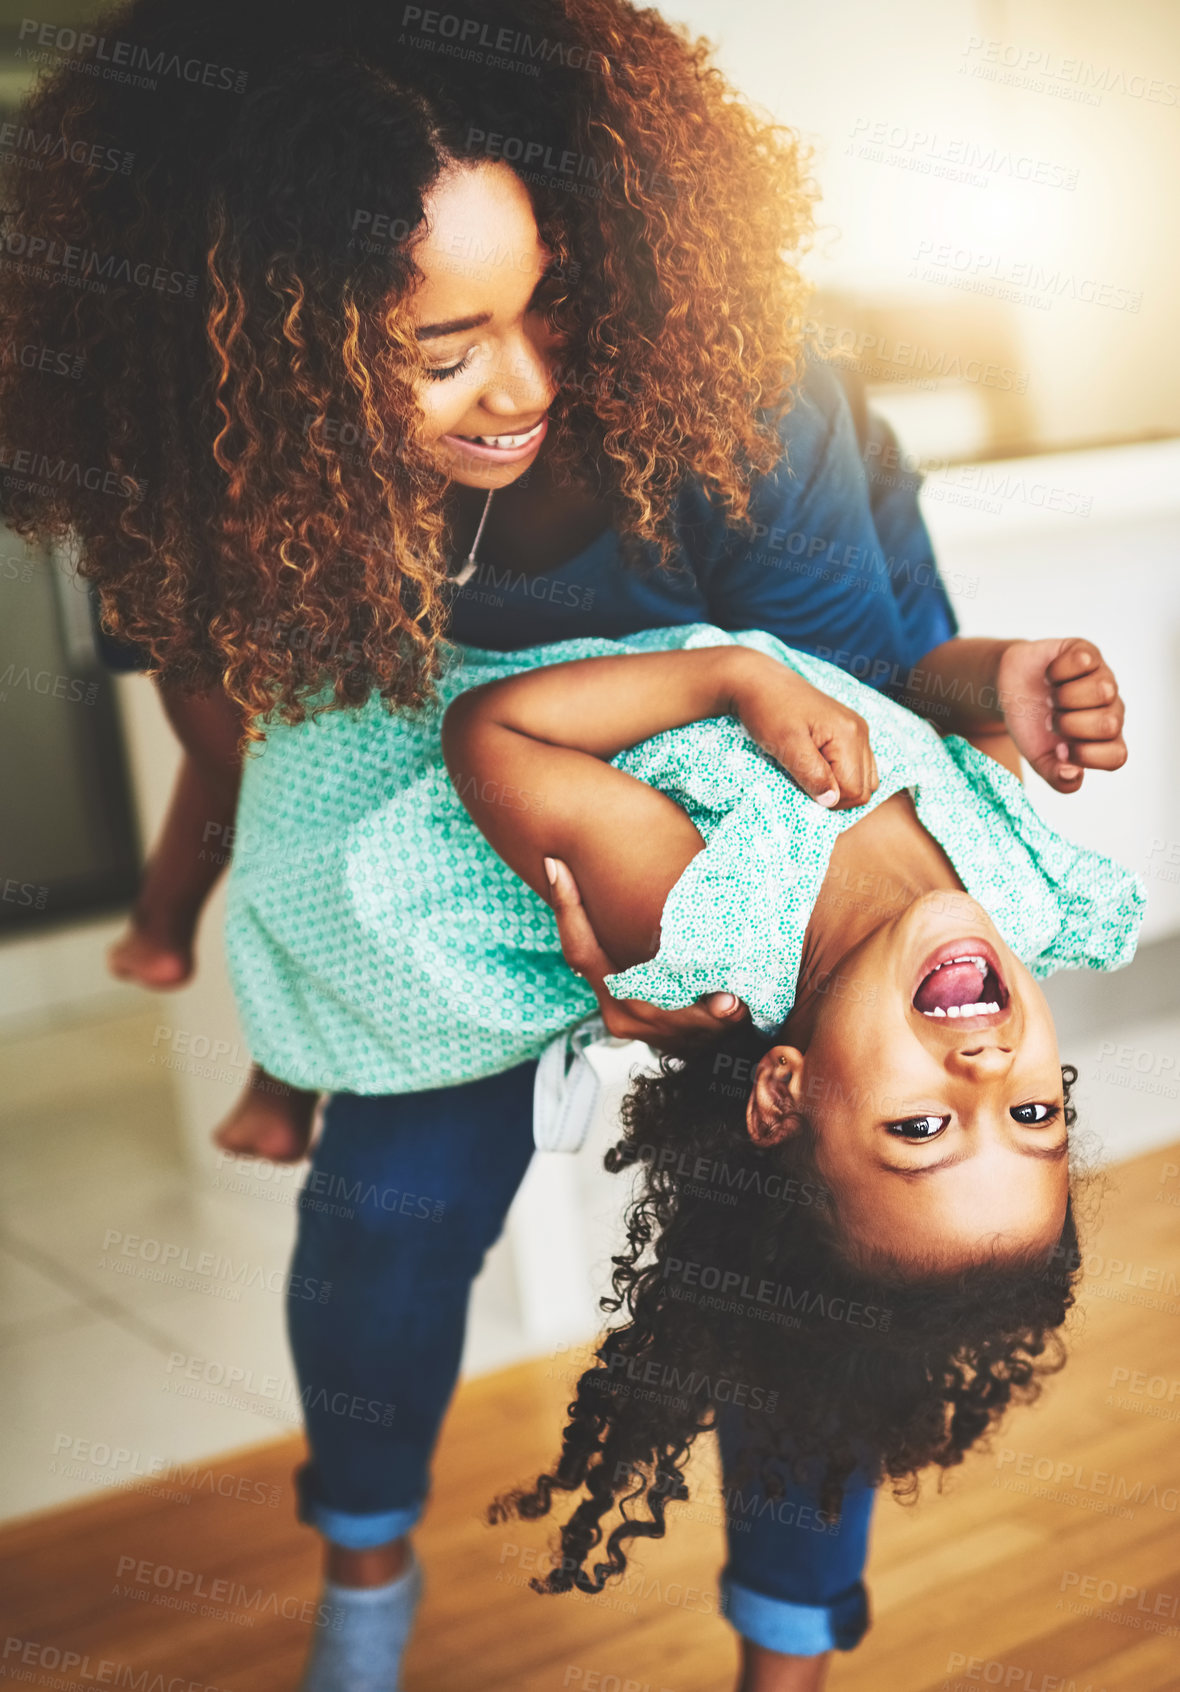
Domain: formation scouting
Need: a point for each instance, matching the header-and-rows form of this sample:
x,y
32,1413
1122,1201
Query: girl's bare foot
x,y
153,955
270,1120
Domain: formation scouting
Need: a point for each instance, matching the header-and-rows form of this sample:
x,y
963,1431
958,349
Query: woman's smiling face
x,y
480,320
929,1068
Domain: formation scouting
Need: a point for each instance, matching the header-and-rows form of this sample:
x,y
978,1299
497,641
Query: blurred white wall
x,y
1085,543
970,147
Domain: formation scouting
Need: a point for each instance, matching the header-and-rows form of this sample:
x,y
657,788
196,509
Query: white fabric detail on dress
x,y
568,1082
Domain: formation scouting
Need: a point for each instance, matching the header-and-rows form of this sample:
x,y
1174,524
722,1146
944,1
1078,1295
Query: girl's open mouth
x,y
962,982
499,449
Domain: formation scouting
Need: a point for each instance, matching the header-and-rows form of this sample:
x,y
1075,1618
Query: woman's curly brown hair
x,y
236,461
739,1291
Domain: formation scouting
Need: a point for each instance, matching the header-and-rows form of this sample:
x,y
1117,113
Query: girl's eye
x,y
1035,1115
918,1127
442,372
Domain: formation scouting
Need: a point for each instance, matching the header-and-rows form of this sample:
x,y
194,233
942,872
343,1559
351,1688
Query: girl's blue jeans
x,y
405,1195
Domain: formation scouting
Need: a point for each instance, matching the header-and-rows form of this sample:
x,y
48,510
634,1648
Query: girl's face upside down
x,y
927,1063
480,320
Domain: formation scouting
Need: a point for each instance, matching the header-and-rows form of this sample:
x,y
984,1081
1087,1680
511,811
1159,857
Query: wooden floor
x,y
1069,1583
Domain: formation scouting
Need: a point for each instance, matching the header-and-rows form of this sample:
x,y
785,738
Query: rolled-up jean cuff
x,y
800,1630
354,1532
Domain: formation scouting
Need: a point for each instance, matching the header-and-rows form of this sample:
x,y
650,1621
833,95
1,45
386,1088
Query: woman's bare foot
x,y
768,1671
270,1120
375,1567
154,955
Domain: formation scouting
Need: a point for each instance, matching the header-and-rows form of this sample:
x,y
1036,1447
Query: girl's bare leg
x,y
157,948
270,1120
194,844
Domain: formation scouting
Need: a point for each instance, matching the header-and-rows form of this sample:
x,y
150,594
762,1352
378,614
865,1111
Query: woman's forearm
x,y
955,686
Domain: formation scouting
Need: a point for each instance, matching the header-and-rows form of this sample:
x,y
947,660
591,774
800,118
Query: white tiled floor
x,y
109,1372
118,1266
1128,1087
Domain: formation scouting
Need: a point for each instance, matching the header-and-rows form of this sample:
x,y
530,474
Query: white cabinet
x,y
1086,543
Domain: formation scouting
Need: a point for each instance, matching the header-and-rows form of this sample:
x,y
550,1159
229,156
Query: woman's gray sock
x,y
362,1635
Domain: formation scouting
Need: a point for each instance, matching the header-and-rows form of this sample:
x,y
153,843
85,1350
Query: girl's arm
x,y
528,757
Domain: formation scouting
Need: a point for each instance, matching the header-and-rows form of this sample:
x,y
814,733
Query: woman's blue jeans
x,y
405,1195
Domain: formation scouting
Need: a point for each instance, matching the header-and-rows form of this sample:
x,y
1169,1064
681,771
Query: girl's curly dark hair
x,y
738,1292
221,261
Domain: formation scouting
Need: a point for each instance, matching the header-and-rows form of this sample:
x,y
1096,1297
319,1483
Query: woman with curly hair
x,y
247,317
327,282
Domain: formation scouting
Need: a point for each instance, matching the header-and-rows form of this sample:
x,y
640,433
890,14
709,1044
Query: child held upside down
x,y
1052,720
903,1057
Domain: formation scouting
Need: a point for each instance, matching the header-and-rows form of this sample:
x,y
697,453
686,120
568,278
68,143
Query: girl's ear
x,y
773,1110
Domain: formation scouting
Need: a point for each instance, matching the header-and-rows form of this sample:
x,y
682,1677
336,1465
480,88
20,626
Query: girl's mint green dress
x,y
377,944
